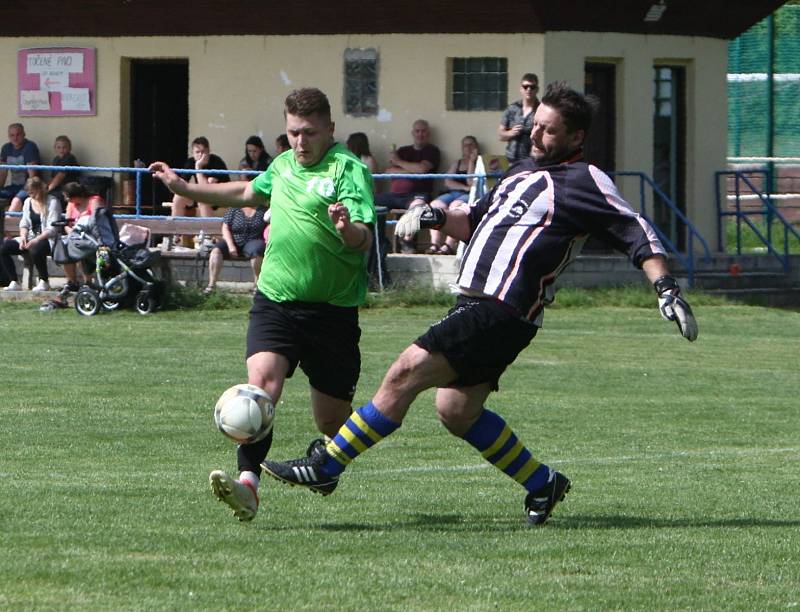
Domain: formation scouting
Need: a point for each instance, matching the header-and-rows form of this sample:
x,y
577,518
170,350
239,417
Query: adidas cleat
x,y
539,504
306,472
240,496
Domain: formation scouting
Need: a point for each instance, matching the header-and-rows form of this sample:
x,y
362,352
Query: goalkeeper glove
x,y
674,308
420,217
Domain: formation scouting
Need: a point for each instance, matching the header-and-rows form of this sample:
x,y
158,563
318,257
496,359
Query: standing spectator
x,y
17,151
64,157
255,157
458,192
421,157
242,234
358,143
517,122
202,159
282,144
36,235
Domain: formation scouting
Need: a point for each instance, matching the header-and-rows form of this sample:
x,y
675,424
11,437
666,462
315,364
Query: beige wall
x,y
237,86
706,62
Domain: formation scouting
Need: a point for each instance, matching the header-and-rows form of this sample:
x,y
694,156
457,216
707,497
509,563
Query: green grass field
x,y
683,457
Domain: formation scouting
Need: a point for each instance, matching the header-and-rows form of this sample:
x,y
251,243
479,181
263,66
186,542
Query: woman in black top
x,y
242,236
255,157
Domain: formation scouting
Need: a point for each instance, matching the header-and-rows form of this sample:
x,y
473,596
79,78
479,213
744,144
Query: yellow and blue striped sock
x,y
499,445
365,427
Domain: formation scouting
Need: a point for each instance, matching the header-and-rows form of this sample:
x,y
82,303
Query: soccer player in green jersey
x,y
314,276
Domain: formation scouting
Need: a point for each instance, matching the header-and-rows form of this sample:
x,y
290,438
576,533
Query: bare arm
x,y
398,166
355,235
456,224
57,179
505,134
227,236
233,193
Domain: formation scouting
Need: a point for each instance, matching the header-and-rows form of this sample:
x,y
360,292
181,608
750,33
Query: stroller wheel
x,y
145,302
87,302
110,304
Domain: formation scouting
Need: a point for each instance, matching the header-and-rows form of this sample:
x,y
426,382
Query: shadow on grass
x,y
639,522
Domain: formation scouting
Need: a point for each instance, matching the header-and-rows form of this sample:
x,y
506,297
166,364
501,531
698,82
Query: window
x,y
361,82
478,83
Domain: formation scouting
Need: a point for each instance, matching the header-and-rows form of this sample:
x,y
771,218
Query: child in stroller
x,y
123,268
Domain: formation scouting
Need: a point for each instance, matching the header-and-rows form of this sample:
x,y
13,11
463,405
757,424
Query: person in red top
x,y
81,205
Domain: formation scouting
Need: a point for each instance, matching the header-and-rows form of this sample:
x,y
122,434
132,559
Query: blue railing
x,y
769,211
687,259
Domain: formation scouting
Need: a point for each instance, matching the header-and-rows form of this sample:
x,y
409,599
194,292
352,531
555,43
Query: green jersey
x,y
305,258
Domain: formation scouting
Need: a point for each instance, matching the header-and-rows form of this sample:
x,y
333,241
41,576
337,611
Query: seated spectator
x,y
255,158
282,144
458,192
421,157
64,157
36,235
17,151
358,143
81,205
202,159
242,234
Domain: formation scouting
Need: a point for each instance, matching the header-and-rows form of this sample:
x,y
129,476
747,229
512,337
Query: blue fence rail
x,y
768,211
687,259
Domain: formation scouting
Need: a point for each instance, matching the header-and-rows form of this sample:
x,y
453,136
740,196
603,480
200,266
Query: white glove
x,y
674,308
419,217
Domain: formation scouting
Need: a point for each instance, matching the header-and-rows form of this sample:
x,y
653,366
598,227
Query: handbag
x,y
60,255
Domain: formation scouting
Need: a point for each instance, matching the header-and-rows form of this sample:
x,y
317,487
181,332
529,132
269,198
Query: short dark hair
x,y
358,143
575,108
283,139
306,102
202,140
529,76
75,190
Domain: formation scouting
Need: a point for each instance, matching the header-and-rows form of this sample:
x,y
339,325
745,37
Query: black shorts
x,y
480,338
322,338
250,249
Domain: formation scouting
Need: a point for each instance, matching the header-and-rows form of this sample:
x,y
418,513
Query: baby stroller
x,y
123,272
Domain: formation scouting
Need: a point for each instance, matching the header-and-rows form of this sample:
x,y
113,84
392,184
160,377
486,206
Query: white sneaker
x,y
241,497
42,285
13,286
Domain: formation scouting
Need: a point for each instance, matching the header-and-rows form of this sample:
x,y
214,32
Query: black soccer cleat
x,y
305,472
539,504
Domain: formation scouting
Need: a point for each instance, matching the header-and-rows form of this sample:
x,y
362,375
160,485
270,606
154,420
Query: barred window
x,y
361,82
478,83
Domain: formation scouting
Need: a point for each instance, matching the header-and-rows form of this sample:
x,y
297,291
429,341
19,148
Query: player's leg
x,y
462,412
414,371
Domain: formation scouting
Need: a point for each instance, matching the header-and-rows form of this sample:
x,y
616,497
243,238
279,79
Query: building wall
x,y
706,108
237,85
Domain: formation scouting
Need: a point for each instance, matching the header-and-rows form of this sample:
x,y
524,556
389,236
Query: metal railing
x,y
687,259
768,210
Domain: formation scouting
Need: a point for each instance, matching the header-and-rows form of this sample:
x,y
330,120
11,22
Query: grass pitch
x,y
683,459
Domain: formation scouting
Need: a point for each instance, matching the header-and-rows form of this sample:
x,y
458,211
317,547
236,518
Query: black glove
x,y
674,308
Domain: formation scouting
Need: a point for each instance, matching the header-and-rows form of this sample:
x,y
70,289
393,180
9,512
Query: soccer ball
x,y
244,413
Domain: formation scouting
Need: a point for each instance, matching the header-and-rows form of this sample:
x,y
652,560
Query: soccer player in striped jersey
x,y
314,276
520,236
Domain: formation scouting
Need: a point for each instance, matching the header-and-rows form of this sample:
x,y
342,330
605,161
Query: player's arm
x,y
355,235
233,193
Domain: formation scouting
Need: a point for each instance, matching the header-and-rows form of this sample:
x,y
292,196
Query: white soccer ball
x,y
244,413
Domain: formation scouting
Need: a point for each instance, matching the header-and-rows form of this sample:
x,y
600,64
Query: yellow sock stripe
x,y
526,470
352,439
501,439
337,453
512,454
362,425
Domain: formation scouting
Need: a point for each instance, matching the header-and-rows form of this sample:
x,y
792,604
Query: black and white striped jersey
x,y
534,223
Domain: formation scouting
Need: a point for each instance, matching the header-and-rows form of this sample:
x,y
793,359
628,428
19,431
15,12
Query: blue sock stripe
x,y
359,433
513,467
538,479
485,430
377,421
503,449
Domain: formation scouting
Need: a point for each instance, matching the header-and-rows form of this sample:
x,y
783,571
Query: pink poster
x,y
57,81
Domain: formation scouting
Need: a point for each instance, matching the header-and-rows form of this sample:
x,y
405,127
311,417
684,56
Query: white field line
x,y
721,453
